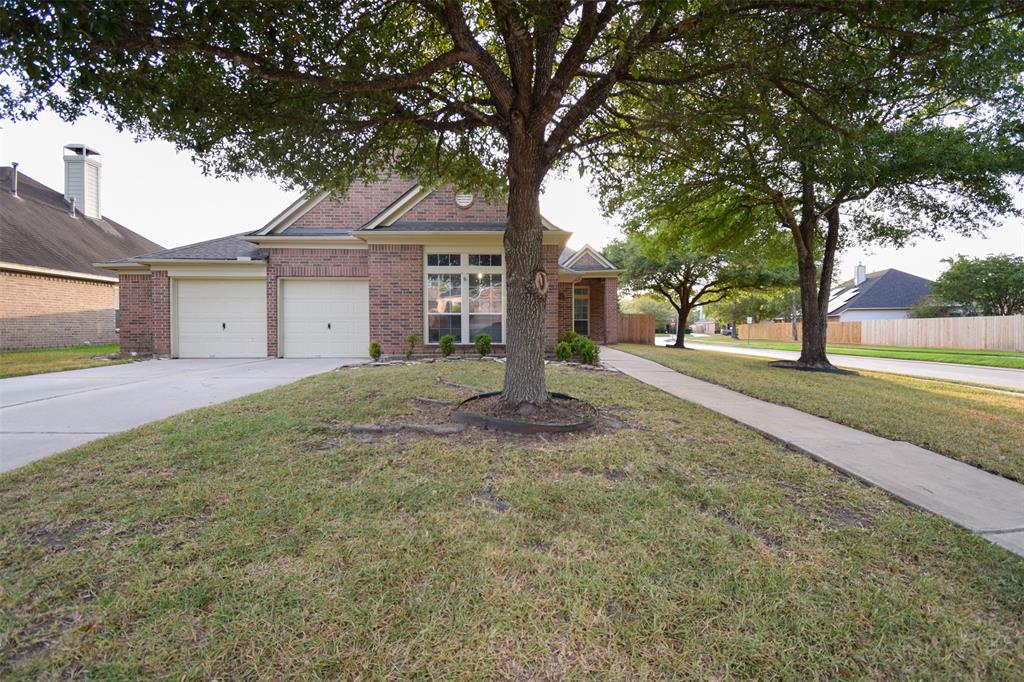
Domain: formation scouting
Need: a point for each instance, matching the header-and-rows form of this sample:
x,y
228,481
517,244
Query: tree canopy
x,y
983,286
846,133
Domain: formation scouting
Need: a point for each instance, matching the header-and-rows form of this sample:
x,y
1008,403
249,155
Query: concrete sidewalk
x,y
1003,377
989,505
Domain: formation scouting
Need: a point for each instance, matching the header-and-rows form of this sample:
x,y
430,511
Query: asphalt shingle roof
x,y
37,229
886,289
439,226
221,248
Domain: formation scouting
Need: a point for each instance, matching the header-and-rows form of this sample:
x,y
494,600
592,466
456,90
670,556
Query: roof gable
x,y
38,230
586,259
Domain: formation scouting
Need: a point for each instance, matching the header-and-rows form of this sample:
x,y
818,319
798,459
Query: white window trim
x,y
465,270
575,293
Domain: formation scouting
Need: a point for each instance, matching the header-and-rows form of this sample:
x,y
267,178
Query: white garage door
x,y
222,318
325,318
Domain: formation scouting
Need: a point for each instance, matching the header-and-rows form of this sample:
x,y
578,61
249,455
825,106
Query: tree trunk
x,y
814,295
792,315
526,281
684,314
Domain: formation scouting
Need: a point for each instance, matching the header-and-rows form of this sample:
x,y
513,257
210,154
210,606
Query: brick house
x,y
51,293
389,260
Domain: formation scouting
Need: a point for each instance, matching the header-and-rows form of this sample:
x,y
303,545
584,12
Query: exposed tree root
x,y
432,401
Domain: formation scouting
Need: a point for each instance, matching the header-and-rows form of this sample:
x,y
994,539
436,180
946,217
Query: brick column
x,y
160,285
551,325
611,310
136,301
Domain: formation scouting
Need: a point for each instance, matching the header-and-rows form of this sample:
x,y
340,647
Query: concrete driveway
x,y
1002,377
47,413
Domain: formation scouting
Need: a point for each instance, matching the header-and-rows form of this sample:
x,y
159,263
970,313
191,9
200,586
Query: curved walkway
x,y
984,503
1003,377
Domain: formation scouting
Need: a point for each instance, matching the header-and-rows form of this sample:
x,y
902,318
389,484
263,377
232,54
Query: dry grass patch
x,y
239,541
980,427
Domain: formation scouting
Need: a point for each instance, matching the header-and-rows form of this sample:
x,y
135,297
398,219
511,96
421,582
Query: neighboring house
x,y
883,295
51,293
388,260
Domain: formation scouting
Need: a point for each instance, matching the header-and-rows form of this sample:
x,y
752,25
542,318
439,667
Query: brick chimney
x,y
82,179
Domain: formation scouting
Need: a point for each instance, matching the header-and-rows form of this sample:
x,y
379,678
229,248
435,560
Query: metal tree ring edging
x,y
518,426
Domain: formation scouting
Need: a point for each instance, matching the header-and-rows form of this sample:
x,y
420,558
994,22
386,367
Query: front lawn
x,y
986,358
258,539
16,363
980,427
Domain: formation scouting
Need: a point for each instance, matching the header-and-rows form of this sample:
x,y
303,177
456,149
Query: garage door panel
x,y
221,318
325,318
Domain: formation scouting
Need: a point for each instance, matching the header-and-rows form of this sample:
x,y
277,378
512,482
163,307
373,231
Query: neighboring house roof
x,y
36,229
885,289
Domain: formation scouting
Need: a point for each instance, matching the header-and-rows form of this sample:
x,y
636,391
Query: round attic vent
x,y
464,199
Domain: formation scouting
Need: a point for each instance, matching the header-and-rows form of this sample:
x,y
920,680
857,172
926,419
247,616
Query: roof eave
x,y
54,272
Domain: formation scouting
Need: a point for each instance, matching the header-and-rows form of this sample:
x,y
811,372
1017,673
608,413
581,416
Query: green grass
x,y
256,539
986,358
16,363
980,427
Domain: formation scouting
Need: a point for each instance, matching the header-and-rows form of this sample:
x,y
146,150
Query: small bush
x,y
588,352
483,344
563,351
375,351
410,345
447,345
578,343
569,336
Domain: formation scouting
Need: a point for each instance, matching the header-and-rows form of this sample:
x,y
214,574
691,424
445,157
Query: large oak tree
x,y
488,94
848,131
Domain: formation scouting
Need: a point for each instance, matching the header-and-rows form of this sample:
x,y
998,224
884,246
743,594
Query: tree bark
x,y
814,295
684,314
526,279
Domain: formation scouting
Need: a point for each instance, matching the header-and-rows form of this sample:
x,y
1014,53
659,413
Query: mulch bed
x,y
559,413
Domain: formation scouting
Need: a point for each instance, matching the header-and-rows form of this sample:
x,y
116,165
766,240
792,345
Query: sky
x,y
160,193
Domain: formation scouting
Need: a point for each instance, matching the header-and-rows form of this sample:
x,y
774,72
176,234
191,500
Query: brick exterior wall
x,y
356,207
308,263
160,285
396,296
440,205
604,316
37,311
611,309
551,330
136,313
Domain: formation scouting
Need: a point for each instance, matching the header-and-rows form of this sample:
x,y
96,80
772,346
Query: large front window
x,y
465,296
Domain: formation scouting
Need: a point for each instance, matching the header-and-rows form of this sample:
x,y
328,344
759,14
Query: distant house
x,y
51,294
883,295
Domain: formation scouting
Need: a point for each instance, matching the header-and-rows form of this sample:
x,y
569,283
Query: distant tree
x,y
932,306
687,273
983,286
759,306
650,304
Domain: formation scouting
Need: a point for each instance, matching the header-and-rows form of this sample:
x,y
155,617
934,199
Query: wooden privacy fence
x,y
838,332
983,333
636,328
980,333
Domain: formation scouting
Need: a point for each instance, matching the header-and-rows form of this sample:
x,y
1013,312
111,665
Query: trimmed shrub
x,y
588,352
563,351
483,344
569,336
447,345
375,351
410,345
578,343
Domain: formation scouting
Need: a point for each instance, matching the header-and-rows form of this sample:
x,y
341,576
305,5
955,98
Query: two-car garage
x,y
227,318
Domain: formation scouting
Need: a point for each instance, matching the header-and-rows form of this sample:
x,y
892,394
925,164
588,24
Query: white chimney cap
x,y
81,149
